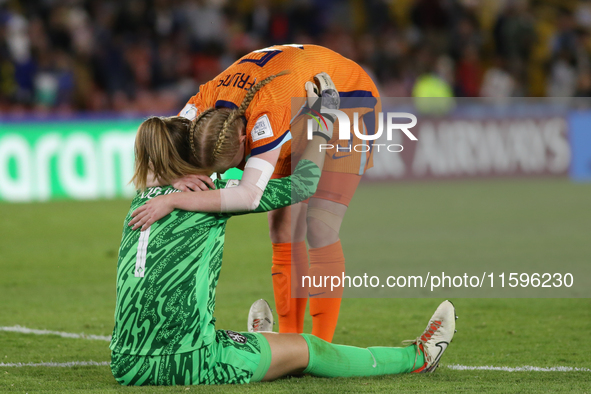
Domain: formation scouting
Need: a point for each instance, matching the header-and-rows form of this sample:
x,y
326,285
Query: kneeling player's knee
x,y
120,378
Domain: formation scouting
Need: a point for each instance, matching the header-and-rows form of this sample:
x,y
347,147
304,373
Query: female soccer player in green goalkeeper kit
x,y
166,281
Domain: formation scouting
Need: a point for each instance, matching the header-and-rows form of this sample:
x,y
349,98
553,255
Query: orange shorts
x,y
338,187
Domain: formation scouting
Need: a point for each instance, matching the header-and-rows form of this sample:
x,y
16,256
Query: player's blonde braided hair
x,y
215,134
234,115
193,126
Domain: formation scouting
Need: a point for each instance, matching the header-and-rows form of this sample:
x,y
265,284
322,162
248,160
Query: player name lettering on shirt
x,y
237,80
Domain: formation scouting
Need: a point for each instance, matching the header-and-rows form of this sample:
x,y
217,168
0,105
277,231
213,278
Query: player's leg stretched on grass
x,y
305,353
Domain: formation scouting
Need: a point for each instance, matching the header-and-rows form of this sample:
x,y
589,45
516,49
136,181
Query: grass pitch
x,y
57,272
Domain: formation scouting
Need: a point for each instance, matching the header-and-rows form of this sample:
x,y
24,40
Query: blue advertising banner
x,y
580,141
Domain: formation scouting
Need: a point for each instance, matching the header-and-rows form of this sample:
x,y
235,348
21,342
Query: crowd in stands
x,y
150,56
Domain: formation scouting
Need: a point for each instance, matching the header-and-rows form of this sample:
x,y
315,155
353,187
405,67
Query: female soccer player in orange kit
x,y
238,119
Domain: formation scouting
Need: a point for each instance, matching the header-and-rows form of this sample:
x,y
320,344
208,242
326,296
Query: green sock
x,y
328,360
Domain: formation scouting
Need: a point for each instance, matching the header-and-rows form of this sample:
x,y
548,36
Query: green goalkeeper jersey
x,y
167,275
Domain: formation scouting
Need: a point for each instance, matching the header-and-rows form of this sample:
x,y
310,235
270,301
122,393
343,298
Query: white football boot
x,y
260,317
436,337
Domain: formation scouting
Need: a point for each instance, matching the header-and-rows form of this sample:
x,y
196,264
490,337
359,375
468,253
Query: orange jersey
x,y
269,115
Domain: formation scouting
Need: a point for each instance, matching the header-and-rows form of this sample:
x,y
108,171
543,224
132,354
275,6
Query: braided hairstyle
x,y
214,136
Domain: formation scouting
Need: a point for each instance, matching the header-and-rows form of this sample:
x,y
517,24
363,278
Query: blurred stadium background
x,y
134,56
77,77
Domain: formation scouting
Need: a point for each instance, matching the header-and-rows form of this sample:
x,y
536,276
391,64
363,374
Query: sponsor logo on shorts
x,y
334,156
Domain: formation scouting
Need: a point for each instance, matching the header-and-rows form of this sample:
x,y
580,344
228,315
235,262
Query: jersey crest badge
x,y
232,183
236,337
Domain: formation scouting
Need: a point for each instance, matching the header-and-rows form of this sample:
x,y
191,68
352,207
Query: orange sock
x,y
326,261
290,310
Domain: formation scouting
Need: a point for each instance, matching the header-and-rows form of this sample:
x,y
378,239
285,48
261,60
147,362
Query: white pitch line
x,y
457,367
63,365
525,368
25,330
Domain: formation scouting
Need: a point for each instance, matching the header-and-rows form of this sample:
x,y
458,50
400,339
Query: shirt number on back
x,y
269,53
142,251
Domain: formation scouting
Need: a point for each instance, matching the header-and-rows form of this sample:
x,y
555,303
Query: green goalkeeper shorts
x,y
231,358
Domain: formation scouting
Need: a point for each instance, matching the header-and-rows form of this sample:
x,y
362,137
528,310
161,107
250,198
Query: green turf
x,y
57,265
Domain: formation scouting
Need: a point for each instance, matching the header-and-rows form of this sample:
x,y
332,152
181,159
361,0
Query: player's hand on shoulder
x,y
152,211
323,95
193,183
327,91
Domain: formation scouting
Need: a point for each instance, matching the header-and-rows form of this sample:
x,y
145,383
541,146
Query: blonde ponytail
x,y
161,150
